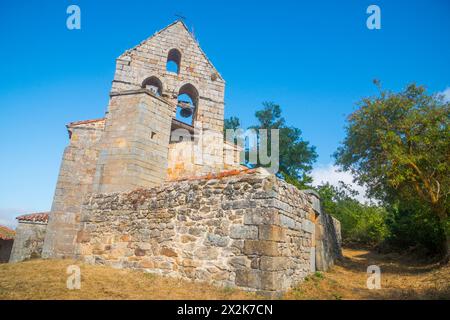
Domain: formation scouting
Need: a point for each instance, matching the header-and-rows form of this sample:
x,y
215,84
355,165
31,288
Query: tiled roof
x,y
34,217
222,174
77,123
6,233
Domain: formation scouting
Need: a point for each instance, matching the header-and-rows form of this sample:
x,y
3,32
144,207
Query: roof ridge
x,y
75,123
219,175
190,34
37,216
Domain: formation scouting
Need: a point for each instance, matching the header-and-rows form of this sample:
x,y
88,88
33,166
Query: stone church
x,y
148,187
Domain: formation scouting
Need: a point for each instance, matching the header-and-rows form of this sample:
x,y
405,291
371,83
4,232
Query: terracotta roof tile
x,y
220,175
6,233
77,123
34,217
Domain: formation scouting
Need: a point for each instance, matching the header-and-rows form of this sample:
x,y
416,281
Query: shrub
x,y
360,223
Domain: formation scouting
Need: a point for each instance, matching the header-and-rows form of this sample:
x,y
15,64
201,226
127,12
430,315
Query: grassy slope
x,y
39,279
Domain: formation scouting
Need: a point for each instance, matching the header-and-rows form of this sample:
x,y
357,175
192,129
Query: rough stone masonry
x,y
132,192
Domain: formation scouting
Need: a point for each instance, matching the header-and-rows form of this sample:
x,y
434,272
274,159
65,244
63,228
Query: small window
x,y
154,85
173,61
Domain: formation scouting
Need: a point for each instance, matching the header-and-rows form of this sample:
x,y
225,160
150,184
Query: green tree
x,y
412,226
231,123
360,223
296,156
398,146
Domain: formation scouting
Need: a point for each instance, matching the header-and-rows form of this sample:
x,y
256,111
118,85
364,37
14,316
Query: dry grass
x,y
46,279
401,279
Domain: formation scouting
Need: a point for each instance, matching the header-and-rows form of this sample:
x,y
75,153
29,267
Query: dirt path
x,y
400,279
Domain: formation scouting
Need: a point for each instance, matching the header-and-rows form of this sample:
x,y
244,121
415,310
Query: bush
x,y
403,226
360,223
412,227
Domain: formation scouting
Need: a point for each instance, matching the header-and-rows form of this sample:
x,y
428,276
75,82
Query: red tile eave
x,y
77,123
34,217
6,233
220,175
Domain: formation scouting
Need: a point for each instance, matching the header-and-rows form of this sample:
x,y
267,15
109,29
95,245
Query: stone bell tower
x,y
149,92
163,84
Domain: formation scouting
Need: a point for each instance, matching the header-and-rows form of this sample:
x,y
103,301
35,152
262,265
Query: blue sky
x,y
314,58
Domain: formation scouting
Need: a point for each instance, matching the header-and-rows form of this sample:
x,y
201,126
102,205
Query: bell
x,y
186,112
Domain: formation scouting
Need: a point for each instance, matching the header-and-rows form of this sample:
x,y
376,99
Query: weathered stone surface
x,y
168,252
308,226
287,222
261,247
272,233
274,263
328,242
244,232
83,236
206,253
29,241
248,278
216,240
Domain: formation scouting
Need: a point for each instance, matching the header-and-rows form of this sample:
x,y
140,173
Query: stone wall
x,y
29,240
328,241
135,143
249,230
75,180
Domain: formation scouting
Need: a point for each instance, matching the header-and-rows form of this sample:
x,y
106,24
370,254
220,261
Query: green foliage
x,y
398,146
231,123
318,275
412,226
360,223
400,141
296,156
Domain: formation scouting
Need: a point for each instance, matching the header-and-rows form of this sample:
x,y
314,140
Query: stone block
x,y
287,222
261,247
272,233
206,253
262,216
273,263
168,252
308,226
185,238
83,236
147,264
239,262
271,280
216,240
243,232
138,252
248,278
